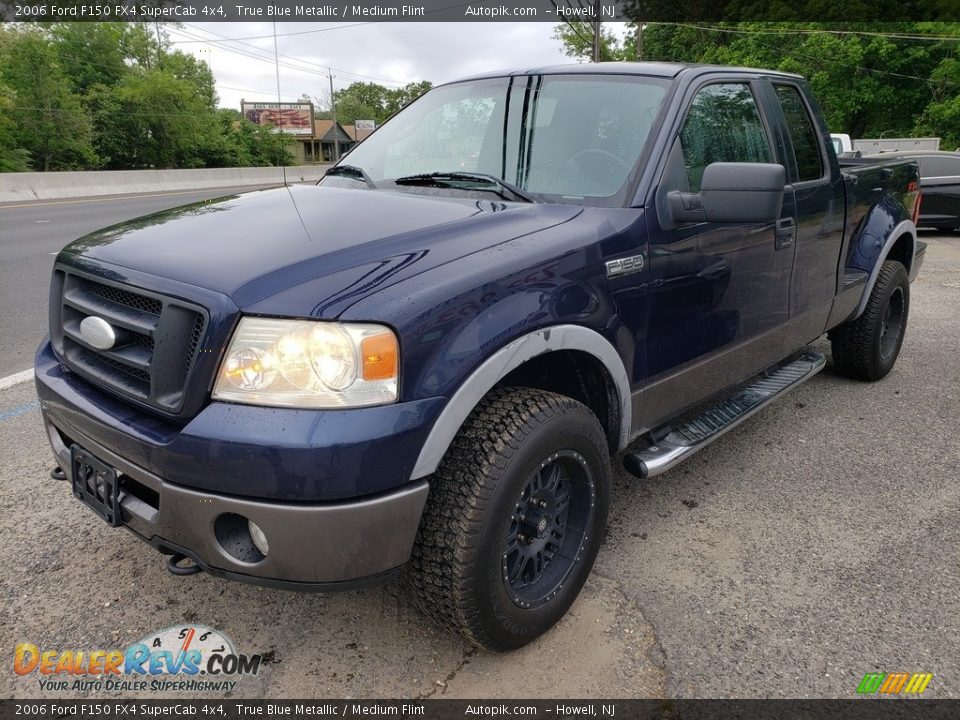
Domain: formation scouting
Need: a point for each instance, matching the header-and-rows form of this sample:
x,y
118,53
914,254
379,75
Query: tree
x,y
50,122
90,53
12,157
252,145
941,117
114,95
370,101
154,119
397,99
577,40
867,81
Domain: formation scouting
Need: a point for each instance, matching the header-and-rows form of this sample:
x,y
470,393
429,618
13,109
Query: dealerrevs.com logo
x,y
178,658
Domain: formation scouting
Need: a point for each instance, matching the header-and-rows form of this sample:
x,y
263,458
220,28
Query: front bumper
x,y
330,546
326,545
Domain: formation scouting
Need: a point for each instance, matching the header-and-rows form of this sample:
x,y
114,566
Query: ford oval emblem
x,y
97,332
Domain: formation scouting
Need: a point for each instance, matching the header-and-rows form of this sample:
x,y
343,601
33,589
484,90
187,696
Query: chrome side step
x,y
685,440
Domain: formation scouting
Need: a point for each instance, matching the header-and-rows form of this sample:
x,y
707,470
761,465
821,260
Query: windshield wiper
x,y
446,178
351,171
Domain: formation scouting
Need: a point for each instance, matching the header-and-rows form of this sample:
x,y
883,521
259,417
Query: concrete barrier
x,y
29,186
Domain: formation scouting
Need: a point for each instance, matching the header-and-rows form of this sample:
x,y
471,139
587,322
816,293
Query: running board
x,y
685,440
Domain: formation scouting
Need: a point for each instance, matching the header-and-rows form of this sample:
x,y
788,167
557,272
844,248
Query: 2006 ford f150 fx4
x,y
429,360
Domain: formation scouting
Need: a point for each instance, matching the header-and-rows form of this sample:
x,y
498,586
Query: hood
x,y
312,250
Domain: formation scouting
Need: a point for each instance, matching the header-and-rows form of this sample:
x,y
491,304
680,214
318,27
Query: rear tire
x,y
867,348
514,518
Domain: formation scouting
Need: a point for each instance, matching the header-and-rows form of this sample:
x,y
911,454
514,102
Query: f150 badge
x,y
624,266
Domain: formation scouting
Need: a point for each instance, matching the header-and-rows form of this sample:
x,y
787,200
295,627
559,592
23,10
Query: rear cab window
x,y
802,133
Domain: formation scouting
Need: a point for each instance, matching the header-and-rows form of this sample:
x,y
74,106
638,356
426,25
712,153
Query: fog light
x,y
258,537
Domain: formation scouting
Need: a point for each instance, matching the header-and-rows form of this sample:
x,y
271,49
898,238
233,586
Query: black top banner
x,y
353,11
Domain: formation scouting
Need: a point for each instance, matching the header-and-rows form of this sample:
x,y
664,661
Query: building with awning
x,y
321,147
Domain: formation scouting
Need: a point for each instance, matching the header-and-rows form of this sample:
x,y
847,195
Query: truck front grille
x,y
158,337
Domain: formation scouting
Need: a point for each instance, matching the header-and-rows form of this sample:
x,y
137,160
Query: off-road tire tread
x,y
441,565
853,344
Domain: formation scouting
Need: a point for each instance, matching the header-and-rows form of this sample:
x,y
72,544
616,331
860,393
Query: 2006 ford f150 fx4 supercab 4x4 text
x,y
428,361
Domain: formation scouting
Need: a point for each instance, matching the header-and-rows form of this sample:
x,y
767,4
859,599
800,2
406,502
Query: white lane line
x,y
15,379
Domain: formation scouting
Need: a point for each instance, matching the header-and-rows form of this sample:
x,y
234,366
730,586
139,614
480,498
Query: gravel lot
x,y
815,543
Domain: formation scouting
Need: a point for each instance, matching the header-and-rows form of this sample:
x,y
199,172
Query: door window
x,y
723,125
806,149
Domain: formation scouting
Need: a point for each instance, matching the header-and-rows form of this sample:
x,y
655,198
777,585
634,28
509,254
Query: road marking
x,y
17,410
112,198
16,379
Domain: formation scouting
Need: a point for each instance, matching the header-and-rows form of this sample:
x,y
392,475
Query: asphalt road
x,y
32,233
815,543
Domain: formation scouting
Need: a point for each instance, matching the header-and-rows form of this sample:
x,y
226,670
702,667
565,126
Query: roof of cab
x,y
649,69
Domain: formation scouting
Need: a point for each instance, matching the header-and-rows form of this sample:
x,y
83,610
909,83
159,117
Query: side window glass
x,y
723,125
806,149
940,166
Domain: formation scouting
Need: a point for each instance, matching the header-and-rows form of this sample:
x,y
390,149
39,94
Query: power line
x,y
289,34
796,53
226,38
262,58
817,31
820,61
250,55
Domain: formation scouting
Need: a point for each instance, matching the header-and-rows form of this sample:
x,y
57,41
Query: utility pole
x,y
596,31
333,115
156,25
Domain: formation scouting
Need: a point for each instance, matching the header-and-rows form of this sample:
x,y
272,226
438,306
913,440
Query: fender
x,y
905,227
510,357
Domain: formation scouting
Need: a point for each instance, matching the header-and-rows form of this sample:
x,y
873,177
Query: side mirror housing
x,y
732,193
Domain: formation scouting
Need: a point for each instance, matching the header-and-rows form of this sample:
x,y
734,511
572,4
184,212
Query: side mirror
x,y
732,193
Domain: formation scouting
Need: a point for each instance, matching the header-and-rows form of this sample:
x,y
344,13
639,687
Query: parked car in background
x,y
939,185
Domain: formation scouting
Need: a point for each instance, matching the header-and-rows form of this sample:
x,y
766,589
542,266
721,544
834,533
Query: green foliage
x,y
868,85
48,120
577,40
370,101
113,95
249,145
941,117
12,157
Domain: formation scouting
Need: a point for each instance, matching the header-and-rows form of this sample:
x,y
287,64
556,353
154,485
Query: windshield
x,y
563,138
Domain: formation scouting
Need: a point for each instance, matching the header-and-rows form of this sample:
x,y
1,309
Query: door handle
x,y
786,233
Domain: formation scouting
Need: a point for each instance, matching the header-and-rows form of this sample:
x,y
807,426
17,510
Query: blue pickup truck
x,y
425,363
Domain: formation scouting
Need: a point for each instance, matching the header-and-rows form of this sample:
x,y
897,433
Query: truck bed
x,y
867,180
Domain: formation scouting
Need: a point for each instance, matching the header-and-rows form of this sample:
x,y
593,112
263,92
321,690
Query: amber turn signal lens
x,y
379,354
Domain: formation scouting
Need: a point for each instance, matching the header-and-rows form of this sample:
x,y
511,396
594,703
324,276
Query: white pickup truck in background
x,y
867,146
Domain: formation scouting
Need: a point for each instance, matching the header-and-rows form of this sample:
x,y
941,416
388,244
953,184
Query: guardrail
x,y
28,186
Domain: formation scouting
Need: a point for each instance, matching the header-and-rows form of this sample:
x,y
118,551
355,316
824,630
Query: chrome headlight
x,y
309,364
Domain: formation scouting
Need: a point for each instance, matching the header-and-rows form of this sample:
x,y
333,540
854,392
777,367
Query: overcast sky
x,y
391,54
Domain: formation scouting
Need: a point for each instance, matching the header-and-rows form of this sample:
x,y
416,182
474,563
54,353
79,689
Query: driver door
x,y
719,292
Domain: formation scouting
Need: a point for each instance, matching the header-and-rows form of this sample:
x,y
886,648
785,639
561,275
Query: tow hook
x,y
58,474
175,568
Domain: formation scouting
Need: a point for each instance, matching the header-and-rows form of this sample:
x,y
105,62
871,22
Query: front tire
x,y
867,348
514,518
